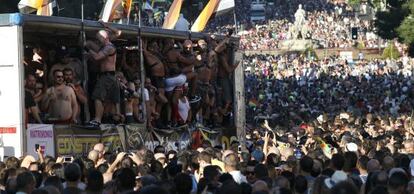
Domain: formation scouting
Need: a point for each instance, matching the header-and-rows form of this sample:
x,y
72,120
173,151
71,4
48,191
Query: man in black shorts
x,y
107,87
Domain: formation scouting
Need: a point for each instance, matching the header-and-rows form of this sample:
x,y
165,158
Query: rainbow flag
x,y
326,148
127,5
173,14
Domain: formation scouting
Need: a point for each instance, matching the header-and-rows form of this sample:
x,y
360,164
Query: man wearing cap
x,y
337,177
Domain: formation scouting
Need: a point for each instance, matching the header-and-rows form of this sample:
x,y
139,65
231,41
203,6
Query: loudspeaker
x,y
354,33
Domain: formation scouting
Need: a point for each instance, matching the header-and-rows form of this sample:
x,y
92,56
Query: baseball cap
x,y
338,176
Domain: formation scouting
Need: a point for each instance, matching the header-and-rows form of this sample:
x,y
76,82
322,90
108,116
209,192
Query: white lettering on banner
x,y
41,134
170,145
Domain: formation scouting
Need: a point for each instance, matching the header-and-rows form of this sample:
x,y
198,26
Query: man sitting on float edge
x,y
107,87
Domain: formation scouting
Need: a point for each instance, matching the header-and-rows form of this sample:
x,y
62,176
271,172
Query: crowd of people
x,y
328,29
329,23
320,126
321,158
186,82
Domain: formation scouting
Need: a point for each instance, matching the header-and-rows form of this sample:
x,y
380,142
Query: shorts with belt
x,y
107,88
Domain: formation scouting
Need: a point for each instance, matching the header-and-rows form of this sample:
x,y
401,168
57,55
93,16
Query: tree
x,y
391,51
388,21
397,22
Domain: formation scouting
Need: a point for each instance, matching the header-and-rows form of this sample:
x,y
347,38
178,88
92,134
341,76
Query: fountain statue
x,y
298,34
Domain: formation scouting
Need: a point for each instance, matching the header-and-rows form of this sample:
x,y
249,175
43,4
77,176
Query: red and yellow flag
x,y
204,16
42,7
108,12
127,5
173,14
46,10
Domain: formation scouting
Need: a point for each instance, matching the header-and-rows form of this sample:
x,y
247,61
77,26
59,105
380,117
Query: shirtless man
x,y
204,74
225,70
180,68
60,101
107,87
81,97
157,72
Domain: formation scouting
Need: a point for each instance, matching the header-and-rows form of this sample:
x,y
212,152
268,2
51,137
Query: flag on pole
x,y
148,7
217,7
42,7
173,14
46,10
224,7
108,12
127,5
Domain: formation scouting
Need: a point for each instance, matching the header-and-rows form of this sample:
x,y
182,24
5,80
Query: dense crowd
x,y
329,23
313,126
308,159
293,87
328,29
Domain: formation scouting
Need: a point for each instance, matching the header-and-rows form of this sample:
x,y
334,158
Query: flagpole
x,y
141,60
235,21
85,67
129,12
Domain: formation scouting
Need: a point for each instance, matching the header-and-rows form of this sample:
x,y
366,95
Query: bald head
x,y
260,186
102,36
103,33
93,155
100,148
373,165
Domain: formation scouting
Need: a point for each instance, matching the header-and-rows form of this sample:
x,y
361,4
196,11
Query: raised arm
x,y
115,33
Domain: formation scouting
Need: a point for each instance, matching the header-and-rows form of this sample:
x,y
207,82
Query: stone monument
x,y
298,35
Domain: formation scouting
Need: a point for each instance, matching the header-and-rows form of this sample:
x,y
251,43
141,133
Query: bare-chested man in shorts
x,y
107,87
204,73
60,101
157,72
224,82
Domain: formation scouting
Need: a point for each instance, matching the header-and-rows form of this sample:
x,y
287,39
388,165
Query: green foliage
x,y
354,2
388,21
391,52
406,30
397,22
376,3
